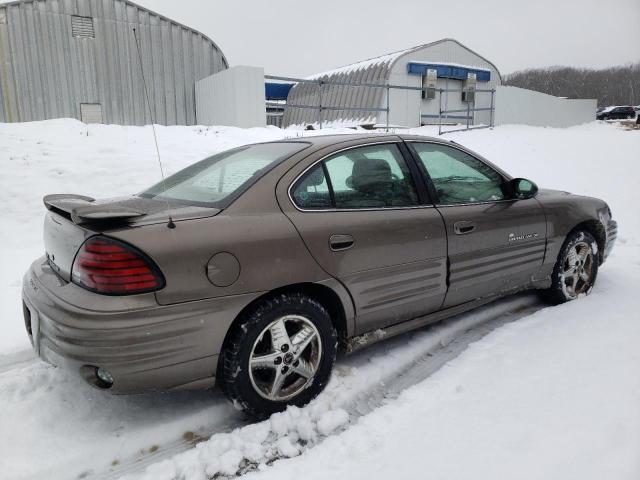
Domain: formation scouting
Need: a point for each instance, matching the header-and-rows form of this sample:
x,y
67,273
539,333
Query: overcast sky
x,y
299,38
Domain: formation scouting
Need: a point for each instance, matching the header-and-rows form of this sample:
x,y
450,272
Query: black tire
x,y
560,291
234,375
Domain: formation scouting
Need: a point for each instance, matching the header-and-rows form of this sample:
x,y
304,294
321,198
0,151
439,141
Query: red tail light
x,y
111,267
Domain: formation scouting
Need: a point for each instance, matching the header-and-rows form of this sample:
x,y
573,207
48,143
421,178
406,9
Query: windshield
x,y
218,180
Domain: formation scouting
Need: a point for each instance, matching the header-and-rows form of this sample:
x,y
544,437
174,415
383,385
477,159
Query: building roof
x,y
10,3
386,61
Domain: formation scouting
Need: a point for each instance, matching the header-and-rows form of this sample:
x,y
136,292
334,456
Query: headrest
x,y
370,174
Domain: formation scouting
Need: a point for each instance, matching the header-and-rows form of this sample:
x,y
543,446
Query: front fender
x,y
565,212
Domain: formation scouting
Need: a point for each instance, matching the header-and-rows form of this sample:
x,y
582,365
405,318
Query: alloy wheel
x,y
577,272
285,357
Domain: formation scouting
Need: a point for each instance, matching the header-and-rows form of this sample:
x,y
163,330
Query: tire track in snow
x,y
139,462
436,345
429,363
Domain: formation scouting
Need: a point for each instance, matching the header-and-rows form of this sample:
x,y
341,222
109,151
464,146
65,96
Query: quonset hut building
x,y
444,64
78,59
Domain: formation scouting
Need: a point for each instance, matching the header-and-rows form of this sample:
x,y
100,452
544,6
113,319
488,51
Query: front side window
x,y
374,176
216,181
458,177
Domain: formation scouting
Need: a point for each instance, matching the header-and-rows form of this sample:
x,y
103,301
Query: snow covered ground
x,y
555,394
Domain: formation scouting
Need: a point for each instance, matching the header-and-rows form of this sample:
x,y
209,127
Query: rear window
x,y
218,180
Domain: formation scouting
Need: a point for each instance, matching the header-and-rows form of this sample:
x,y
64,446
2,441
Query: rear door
x,y
495,243
365,222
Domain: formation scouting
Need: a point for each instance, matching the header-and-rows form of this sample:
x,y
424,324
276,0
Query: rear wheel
x,y
576,269
279,353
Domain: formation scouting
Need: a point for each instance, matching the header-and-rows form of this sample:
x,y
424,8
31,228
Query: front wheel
x,y
576,269
279,353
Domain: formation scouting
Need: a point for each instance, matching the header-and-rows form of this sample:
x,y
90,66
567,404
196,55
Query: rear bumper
x,y
145,346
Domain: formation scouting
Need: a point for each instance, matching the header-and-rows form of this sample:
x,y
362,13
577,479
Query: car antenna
x,y
153,126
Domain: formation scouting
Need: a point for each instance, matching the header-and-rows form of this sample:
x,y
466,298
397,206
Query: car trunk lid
x,y
71,219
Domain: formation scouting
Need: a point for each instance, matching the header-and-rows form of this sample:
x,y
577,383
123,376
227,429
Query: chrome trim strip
x,y
477,203
386,209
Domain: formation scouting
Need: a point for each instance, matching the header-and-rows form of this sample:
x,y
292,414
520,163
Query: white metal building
x,y
446,64
78,59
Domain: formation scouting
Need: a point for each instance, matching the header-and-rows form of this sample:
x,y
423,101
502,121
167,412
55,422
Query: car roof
x,y
608,109
321,141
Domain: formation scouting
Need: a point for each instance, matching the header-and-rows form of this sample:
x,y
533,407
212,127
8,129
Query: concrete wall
x,y
520,106
233,97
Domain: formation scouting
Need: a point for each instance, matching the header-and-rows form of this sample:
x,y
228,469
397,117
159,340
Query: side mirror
x,y
522,189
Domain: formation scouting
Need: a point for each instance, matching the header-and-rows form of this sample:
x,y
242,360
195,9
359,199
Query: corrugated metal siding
x,y
378,71
339,96
47,73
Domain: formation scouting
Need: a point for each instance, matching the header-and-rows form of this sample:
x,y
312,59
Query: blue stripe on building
x,y
448,71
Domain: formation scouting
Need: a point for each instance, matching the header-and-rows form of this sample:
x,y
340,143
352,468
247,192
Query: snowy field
x,y
547,393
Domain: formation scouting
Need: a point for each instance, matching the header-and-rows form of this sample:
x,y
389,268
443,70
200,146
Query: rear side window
x,y
374,176
312,191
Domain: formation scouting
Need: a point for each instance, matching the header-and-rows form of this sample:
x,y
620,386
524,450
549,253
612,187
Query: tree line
x,y
610,86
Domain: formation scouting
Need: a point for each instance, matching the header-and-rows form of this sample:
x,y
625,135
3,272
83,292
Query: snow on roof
x,y
389,58
372,62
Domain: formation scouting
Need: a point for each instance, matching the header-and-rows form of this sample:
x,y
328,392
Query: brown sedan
x,y
252,266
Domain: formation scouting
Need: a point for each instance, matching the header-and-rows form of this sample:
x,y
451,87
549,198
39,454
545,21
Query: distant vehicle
x,y
616,113
250,266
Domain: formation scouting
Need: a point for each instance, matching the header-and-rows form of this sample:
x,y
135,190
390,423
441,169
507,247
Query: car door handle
x,y
340,242
464,227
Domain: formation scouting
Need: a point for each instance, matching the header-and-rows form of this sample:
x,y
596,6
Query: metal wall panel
x,y
233,97
519,106
46,73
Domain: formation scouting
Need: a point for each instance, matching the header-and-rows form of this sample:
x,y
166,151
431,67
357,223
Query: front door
x,y
495,243
360,215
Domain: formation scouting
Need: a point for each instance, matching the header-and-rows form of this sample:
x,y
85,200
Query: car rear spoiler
x,y
80,209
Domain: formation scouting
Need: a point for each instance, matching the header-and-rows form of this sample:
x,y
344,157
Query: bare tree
x,y
611,86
